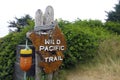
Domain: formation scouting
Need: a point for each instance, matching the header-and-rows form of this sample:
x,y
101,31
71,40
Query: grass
x,y
106,65
61,75
109,54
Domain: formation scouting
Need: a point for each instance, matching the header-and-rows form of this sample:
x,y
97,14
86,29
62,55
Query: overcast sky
x,y
65,9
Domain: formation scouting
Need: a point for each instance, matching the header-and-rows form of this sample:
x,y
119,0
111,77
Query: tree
x,y
114,16
20,23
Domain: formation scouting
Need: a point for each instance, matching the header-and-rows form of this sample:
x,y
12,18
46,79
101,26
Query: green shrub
x,y
82,38
7,52
82,42
90,23
113,26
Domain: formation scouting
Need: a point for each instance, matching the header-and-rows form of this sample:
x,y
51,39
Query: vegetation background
x,y
92,47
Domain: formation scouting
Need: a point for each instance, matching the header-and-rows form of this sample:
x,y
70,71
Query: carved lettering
x,y
41,48
53,59
49,41
58,41
51,48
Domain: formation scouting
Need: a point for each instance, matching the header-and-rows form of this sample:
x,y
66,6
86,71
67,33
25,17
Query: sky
x,y
66,9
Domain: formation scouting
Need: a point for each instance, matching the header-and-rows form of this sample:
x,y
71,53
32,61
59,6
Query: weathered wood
x,y
48,16
55,75
38,70
49,76
38,22
38,18
43,25
48,20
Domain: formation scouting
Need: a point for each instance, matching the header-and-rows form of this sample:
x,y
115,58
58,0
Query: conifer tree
x,y
19,23
114,15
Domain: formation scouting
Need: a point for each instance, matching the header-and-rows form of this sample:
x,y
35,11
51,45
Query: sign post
x,y
49,43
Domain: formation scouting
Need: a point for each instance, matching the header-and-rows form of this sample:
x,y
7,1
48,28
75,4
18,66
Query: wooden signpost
x,y
48,41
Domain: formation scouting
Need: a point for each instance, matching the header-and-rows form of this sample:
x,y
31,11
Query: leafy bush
x,y
82,38
82,42
7,52
113,26
90,23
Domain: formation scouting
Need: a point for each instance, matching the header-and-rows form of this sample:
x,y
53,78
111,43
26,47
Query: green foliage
x,y
90,23
20,23
60,75
114,16
30,78
83,38
7,52
82,41
113,26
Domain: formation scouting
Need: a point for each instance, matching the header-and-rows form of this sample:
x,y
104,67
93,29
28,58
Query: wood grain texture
x,y
38,40
38,18
49,16
38,22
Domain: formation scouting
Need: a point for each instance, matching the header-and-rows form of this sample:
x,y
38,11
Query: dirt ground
x,y
93,75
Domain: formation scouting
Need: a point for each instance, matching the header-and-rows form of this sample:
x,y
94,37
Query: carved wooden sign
x,y
50,49
49,41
